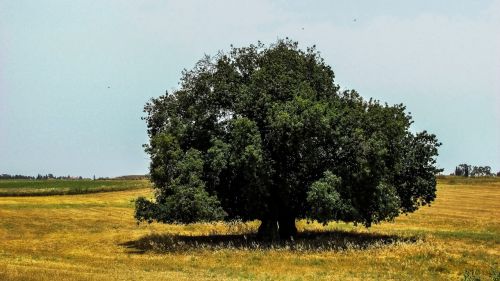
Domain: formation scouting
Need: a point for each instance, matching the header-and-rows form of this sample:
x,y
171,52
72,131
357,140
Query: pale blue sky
x,y
57,59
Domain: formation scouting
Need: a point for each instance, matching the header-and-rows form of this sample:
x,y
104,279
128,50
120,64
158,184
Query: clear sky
x,y
74,75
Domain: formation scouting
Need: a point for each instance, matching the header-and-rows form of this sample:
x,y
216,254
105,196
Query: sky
x,y
75,75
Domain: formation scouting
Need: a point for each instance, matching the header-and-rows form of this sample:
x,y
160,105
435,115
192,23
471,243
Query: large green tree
x,y
265,133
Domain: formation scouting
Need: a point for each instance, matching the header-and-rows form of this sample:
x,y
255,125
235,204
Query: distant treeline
x,y
8,177
40,177
68,177
466,170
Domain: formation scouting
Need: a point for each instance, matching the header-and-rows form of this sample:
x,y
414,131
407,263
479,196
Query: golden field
x,y
94,237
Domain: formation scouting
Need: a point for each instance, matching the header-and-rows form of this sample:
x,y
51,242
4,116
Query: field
x,y
66,187
94,237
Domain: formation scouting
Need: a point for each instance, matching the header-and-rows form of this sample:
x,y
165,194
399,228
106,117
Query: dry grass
x,y
94,237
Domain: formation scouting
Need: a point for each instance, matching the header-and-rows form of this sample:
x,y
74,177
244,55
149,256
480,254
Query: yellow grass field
x,y
95,237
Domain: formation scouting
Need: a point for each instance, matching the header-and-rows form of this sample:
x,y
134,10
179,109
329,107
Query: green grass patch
x,y
66,187
458,180
463,234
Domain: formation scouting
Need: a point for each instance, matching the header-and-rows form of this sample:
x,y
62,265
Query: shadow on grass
x,y
337,240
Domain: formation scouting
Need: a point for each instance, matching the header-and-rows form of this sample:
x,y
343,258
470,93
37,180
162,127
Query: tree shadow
x,y
337,240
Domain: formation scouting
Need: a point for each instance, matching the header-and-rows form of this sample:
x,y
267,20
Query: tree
x,y
480,171
463,170
264,133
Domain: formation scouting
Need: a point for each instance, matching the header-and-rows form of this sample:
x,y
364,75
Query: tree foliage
x,y
466,170
463,170
481,171
265,133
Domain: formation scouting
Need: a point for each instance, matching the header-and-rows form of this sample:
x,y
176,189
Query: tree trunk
x,y
287,228
268,230
273,230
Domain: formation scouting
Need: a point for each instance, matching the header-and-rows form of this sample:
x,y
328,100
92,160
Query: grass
x,y
94,237
457,180
66,187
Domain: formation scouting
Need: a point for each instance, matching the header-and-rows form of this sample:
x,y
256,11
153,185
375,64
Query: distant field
x,y
94,237
456,180
66,187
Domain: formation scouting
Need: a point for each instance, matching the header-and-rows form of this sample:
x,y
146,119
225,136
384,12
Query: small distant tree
x,y
265,133
481,171
487,171
463,170
475,171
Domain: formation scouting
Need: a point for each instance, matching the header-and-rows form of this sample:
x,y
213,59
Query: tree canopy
x,y
264,132
473,171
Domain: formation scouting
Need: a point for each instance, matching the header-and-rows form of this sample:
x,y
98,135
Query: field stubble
x,y
94,237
